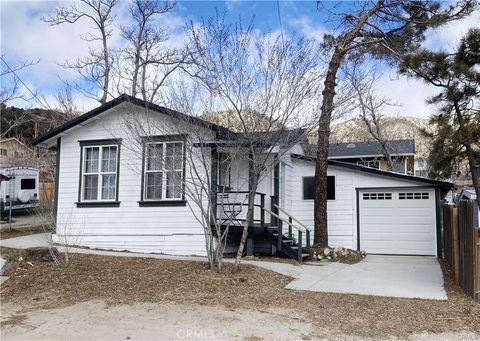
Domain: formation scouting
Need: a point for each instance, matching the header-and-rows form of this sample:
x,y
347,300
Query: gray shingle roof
x,y
366,148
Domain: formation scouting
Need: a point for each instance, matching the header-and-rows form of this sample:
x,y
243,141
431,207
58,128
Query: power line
x,y
280,22
47,106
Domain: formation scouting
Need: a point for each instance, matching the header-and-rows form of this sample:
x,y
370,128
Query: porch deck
x,y
265,236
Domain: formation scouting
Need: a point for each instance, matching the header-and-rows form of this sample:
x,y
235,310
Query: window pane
x,y
154,156
108,186
27,184
223,170
109,159
174,156
174,185
154,186
330,188
91,160
309,188
90,187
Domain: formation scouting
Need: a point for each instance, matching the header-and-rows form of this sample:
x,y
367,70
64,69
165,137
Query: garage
x,y
397,221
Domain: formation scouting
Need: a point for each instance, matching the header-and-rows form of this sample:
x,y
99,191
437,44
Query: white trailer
x,y
21,191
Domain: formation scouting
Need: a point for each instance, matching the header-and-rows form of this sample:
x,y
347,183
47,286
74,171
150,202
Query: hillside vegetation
x,y
394,128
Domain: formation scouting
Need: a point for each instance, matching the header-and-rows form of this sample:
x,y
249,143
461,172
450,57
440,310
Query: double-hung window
x,y
163,171
99,173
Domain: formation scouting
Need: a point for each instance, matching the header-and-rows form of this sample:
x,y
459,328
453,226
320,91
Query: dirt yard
x,y
141,295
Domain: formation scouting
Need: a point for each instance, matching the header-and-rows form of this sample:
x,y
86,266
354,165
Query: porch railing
x,y
298,225
236,203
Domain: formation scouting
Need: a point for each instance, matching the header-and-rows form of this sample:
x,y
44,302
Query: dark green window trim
x,y
100,142
57,178
98,204
160,203
163,138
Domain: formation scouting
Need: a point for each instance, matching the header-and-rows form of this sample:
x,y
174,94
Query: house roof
x,y
221,131
17,141
365,149
276,136
442,184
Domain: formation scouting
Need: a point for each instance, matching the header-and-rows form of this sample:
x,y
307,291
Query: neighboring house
x,y
14,153
370,154
110,196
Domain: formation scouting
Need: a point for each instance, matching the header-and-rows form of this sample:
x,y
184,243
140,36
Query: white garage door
x,y
401,222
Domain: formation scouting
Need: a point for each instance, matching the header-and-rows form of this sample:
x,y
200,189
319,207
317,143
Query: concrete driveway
x,y
392,276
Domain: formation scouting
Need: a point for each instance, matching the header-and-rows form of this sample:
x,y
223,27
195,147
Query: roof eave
x,y
441,184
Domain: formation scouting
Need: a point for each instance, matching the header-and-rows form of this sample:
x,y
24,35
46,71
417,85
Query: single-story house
x,y
110,195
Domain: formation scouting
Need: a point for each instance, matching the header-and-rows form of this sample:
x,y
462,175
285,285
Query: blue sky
x,y
25,36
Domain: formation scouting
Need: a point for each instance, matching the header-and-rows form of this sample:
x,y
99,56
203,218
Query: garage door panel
x,y
398,226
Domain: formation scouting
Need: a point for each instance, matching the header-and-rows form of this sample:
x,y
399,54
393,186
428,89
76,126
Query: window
x,y
413,196
27,184
421,172
309,188
163,177
3,152
223,170
99,173
377,196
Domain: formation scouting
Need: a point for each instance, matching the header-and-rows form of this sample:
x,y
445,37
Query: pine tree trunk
x,y
321,164
475,179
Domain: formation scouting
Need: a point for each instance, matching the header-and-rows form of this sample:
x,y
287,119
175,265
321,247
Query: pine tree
x,y
457,122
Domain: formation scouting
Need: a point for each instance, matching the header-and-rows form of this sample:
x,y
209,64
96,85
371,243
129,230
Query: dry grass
x,y
15,233
122,280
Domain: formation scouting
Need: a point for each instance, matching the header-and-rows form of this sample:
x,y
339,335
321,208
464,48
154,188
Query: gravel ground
x,y
120,281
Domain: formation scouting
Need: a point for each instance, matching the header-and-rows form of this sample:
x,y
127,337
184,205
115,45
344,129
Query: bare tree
x,y
272,76
146,62
12,87
371,107
96,67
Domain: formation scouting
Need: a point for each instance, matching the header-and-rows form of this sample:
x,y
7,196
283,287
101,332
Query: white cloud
x,y
448,37
307,28
409,93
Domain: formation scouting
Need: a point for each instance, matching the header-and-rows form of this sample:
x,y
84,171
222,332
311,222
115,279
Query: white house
x,y
111,194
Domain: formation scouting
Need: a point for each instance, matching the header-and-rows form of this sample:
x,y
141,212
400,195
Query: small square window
x,y
309,188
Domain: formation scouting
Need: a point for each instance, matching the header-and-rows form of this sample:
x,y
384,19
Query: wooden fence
x,y
47,190
461,245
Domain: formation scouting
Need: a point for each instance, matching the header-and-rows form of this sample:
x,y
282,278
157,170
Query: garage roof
x,y
441,184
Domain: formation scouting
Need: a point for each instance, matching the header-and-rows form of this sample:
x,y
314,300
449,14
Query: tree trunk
x,y
241,247
106,60
469,150
475,180
321,164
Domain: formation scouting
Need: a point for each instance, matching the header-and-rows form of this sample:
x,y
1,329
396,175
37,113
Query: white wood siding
x,y
342,214
173,230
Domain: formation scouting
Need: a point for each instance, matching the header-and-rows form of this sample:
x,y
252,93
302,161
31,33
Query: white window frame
x,y
99,173
163,171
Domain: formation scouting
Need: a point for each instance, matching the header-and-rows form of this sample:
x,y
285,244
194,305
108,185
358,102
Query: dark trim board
x,y
100,142
220,131
57,178
164,203
98,204
446,186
